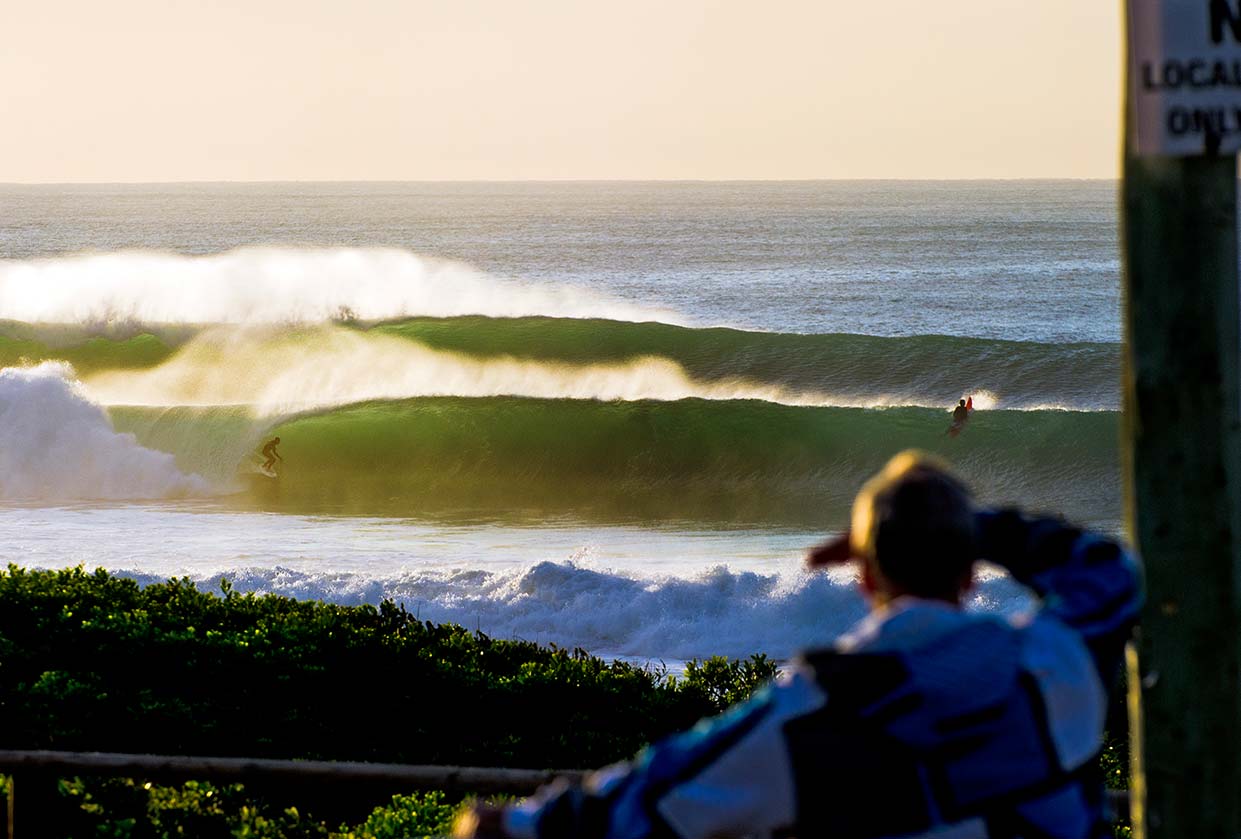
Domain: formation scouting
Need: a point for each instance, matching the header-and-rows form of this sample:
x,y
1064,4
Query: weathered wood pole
x,y
38,811
1182,464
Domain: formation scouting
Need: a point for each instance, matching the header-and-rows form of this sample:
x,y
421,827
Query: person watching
x,y
925,720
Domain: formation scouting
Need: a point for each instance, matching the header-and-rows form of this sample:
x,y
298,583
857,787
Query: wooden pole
x,y
1182,403
38,811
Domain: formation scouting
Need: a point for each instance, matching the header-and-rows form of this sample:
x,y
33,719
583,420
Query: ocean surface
x,y
601,415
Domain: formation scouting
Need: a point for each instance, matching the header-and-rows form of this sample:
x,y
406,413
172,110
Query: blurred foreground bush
x,y
95,662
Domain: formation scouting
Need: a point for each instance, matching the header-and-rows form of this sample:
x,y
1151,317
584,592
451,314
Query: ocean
x,y
602,415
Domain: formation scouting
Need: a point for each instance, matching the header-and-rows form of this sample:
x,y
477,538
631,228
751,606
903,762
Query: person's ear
x,y
870,584
966,584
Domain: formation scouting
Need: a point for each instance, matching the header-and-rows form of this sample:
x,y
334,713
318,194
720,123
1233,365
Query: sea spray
x,y
278,285
56,444
280,371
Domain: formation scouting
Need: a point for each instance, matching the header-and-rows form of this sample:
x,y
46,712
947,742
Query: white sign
x,y
1185,73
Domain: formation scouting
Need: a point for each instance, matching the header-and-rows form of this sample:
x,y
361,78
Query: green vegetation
x,y
127,809
94,662
90,661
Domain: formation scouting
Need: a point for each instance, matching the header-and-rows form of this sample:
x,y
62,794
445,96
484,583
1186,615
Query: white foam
x,y
280,285
618,590
985,400
717,611
56,444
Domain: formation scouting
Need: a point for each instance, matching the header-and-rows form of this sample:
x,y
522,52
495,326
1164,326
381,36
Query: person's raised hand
x,y
835,551
481,821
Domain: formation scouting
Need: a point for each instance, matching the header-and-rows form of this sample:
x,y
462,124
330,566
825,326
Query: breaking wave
x,y
56,444
278,285
534,416
572,358
714,612
279,371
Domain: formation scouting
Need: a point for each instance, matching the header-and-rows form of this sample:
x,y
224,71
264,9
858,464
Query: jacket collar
x,y
905,623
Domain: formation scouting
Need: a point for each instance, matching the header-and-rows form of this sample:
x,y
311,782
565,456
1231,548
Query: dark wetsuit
x,y
269,451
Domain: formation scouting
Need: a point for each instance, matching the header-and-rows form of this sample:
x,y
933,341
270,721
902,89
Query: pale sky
x,y
258,90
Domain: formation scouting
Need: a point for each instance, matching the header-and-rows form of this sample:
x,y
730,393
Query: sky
x,y
262,90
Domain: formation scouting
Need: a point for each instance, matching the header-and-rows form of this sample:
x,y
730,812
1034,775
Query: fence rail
x,y
35,773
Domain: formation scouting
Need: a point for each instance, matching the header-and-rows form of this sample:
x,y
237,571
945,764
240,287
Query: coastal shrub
x,y
408,817
128,809
723,681
95,662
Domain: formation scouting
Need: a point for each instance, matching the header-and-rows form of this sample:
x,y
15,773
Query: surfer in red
x,y
960,415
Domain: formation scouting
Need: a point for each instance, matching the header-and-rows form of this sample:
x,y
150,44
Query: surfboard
x,y
270,473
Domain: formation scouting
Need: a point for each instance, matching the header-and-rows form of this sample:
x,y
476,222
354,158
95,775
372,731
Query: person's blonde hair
x,y
913,524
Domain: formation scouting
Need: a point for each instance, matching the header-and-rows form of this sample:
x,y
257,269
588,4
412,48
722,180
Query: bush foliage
x,y
128,809
95,662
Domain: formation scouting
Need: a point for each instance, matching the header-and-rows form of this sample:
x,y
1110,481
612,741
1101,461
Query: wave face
x,y
56,444
733,461
277,285
569,358
533,416
841,369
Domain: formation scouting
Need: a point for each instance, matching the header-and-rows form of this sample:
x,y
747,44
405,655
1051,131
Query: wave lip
x,y
856,370
278,369
280,285
564,357
282,371
57,445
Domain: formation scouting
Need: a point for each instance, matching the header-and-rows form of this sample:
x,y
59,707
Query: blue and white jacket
x,y
925,721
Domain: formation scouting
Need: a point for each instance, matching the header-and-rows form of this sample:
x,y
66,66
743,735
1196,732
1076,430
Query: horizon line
x,y
557,181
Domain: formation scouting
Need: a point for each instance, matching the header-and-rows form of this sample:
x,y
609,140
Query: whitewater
x,y
611,430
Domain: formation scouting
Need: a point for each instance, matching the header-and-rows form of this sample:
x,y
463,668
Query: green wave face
x,y
215,443
87,355
857,369
727,463
926,369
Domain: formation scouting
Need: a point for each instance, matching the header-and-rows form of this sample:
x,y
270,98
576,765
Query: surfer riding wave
x,y
269,452
960,416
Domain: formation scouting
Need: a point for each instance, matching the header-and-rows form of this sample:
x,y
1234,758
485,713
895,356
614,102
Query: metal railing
x,y
33,775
